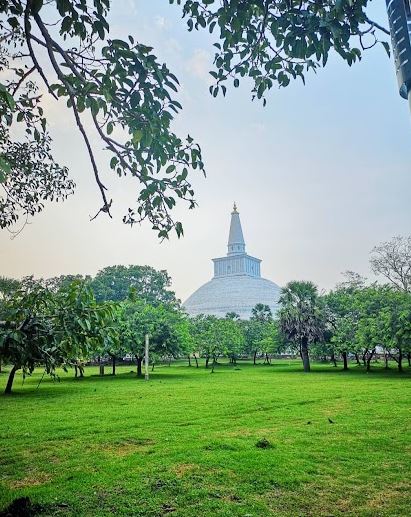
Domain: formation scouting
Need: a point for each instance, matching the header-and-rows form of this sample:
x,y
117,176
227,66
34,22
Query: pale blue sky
x,y
320,175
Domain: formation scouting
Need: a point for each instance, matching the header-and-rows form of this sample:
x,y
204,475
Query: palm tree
x,y
301,316
262,312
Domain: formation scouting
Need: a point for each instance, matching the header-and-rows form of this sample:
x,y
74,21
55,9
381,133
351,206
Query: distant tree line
x,y
68,320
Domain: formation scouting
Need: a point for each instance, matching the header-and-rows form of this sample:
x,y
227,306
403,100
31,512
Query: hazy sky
x,y
320,175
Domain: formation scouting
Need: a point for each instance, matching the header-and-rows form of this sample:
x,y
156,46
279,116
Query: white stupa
x,y
237,285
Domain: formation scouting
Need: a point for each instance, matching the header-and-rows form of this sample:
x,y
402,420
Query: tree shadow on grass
x,y
353,371
128,376
178,373
54,387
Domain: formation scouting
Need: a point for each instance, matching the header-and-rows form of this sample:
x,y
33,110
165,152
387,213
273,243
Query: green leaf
x,y
137,136
113,162
13,22
63,6
36,5
5,169
7,97
386,45
66,24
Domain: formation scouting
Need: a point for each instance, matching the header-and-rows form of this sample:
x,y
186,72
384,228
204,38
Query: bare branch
x,y
378,26
71,94
27,32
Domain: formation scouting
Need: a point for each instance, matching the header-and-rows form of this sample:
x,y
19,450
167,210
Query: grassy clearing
x,y
184,444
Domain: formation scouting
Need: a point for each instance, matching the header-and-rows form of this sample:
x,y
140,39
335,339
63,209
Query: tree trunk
x,y
386,356
345,359
113,364
207,360
409,358
0,364
10,380
370,356
189,360
400,360
196,360
333,360
81,369
255,357
214,363
152,367
357,359
139,366
304,354
75,371
101,366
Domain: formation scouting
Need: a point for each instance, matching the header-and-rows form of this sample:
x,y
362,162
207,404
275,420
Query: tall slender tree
x,y
301,317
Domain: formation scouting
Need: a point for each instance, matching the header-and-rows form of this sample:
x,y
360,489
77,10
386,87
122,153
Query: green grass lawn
x,y
184,444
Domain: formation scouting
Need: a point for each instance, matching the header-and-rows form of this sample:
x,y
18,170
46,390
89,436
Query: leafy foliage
x,y
29,176
117,283
370,317
272,42
128,95
118,84
8,286
162,323
40,327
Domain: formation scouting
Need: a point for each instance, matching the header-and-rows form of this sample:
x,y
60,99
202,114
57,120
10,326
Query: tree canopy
x,y
273,42
117,283
62,50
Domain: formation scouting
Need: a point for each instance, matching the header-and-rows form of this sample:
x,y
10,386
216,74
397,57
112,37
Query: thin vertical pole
x,y
146,359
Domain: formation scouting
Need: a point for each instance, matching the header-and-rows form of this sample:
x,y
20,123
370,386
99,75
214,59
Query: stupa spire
x,y
236,244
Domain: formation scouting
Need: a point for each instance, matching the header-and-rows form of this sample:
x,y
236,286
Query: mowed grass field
x,y
184,443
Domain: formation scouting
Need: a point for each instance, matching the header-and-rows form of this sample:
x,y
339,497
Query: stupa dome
x,y
237,285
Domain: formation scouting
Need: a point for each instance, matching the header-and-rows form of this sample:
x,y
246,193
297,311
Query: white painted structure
x,y
237,285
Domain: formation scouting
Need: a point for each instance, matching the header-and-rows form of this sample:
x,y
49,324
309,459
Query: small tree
x,y
206,333
231,338
49,329
344,317
272,340
138,318
396,319
186,339
256,329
